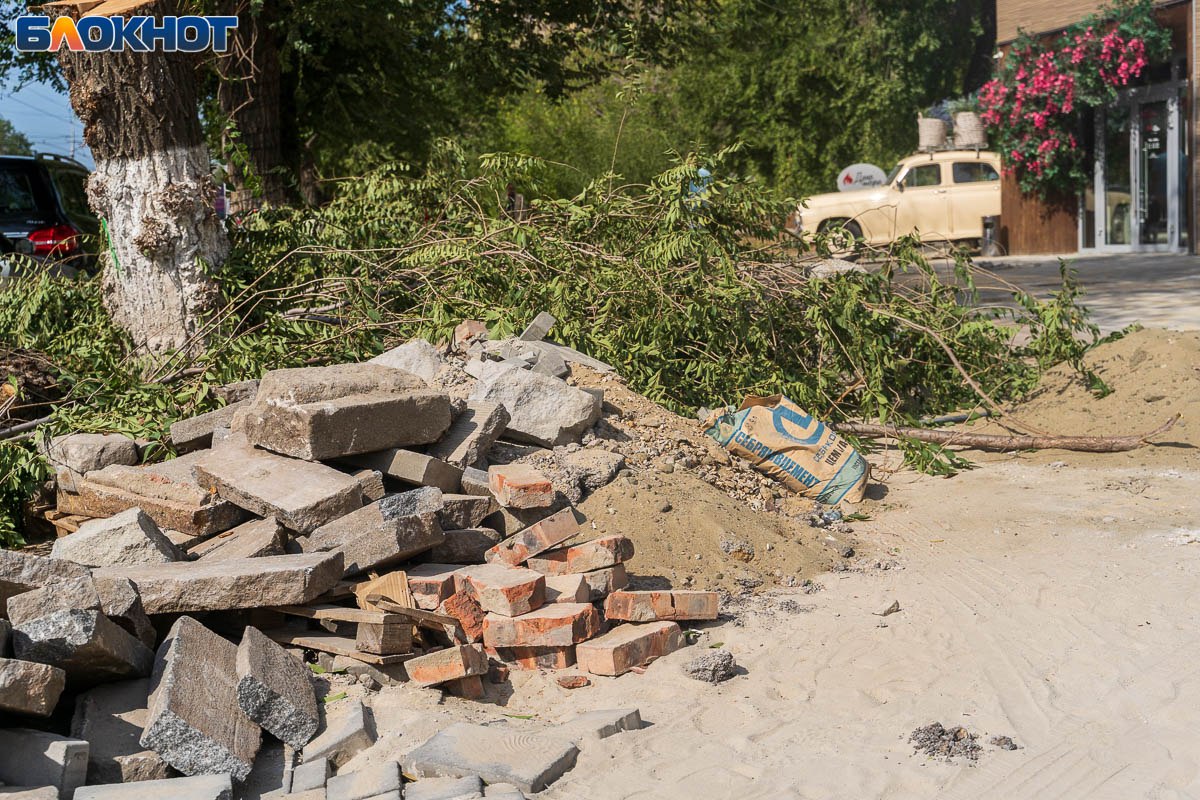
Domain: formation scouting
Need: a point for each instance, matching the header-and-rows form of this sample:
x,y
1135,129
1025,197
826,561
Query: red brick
x,y
599,553
572,681
466,609
502,589
470,688
520,486
555,625
628,646
604,582
652,606
537,538
460,661
567,589
430,584
537,657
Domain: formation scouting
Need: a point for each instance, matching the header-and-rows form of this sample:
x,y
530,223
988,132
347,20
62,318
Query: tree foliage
x,y
12,141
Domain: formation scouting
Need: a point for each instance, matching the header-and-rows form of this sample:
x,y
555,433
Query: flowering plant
x,y
1032,107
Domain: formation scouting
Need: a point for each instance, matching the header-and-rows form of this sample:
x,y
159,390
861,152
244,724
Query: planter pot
x,y
931,133
969,133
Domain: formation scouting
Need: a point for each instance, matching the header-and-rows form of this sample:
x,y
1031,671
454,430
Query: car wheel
x,y
845,238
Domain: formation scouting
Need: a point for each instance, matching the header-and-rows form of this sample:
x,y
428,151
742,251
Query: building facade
x,y
1141,192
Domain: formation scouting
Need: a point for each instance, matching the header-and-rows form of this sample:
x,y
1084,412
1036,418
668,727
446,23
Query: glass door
x,y
1153,200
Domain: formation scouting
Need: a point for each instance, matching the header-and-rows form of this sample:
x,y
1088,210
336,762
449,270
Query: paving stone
x,y
30,688
187,587
520,486
411,467
628,646
37,758
130,537
310,775
472,434
530,658
122,603
649,606
463,511
416,356
196,433
542,410
84,452
476,482
497,754
198,787
393,529
466,609
604,582
24,572
460,661
596,725
347,731
503,589
596,554
371,481
465,788
300,494
111,718
274,691
555,625
77,593
167,492
567,589
365,783
253,539
431,583
535,539
85,644
466,546
193,720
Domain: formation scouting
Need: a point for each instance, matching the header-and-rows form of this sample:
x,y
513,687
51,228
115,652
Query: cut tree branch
x,y
994,442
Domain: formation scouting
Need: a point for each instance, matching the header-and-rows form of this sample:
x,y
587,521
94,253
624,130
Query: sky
x,y
46,119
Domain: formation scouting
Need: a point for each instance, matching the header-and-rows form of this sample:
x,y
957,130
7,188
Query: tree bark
x,y
153,187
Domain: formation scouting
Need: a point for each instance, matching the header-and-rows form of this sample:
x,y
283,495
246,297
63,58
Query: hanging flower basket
x,y
1033,108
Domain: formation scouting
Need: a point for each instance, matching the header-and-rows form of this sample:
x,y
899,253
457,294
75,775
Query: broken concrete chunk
x,y
555,625
236,392
187,587
274,690
627,646
567,589
254,539
520,486
431,583
197,787
542,409
535,539
194,721
299,385
84,452
371,481
497,754
466,546
411,467
77,593
471,434
85,644
30,688
607,551
463,511
389,530
130,537
37,758
539,328
597,467
439,666
347,731
466,788
649,606
476,482
604,582
416,356
111,719
366,783
597,725
310,775
22,572
121,602
196,433
502,589
300,494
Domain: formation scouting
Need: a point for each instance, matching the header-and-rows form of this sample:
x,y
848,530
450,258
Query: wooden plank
x,y
339,614
393,586
384,640
331,643
83,6
422,618
113,8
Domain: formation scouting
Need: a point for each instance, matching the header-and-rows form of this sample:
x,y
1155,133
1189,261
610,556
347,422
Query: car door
x,y
923,206
974,194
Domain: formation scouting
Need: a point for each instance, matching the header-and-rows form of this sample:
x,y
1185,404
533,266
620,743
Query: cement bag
x,y
780,440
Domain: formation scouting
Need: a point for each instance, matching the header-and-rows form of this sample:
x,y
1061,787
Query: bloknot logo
x,y
98,34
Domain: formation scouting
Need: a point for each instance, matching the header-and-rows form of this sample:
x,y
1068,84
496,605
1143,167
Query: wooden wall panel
x,y
1029,226
1038,16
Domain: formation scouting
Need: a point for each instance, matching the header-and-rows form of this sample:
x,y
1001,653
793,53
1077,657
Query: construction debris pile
x,y
363,515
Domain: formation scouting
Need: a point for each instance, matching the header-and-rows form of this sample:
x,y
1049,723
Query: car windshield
x,y
891,176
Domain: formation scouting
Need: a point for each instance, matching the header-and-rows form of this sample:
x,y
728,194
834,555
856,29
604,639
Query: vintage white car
x,y
940,196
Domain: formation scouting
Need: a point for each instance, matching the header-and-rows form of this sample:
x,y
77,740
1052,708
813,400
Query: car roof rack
x,y
60,159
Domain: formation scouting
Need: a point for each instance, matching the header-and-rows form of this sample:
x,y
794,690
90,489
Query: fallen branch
x,y
994,442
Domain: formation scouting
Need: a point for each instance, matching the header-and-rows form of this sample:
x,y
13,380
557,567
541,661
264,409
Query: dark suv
x,y
44,212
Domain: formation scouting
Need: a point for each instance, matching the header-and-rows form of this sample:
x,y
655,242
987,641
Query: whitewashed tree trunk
x,y
153,187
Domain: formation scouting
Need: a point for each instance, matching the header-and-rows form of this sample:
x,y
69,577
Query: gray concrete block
x,y
393,529
110,718
254,539
122,603
84,452
476,481
196,433
85,644
542,410
194,721
23,572
29,792
37,758
199,787
472,434
127,538
274,690
539,328
411,467
77,593
464,511
348,730
498,754
368,782
468,787
416,356
310,775
29,688
465,546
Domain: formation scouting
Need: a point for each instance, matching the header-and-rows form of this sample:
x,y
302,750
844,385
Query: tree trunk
x,y
153,187
249,95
